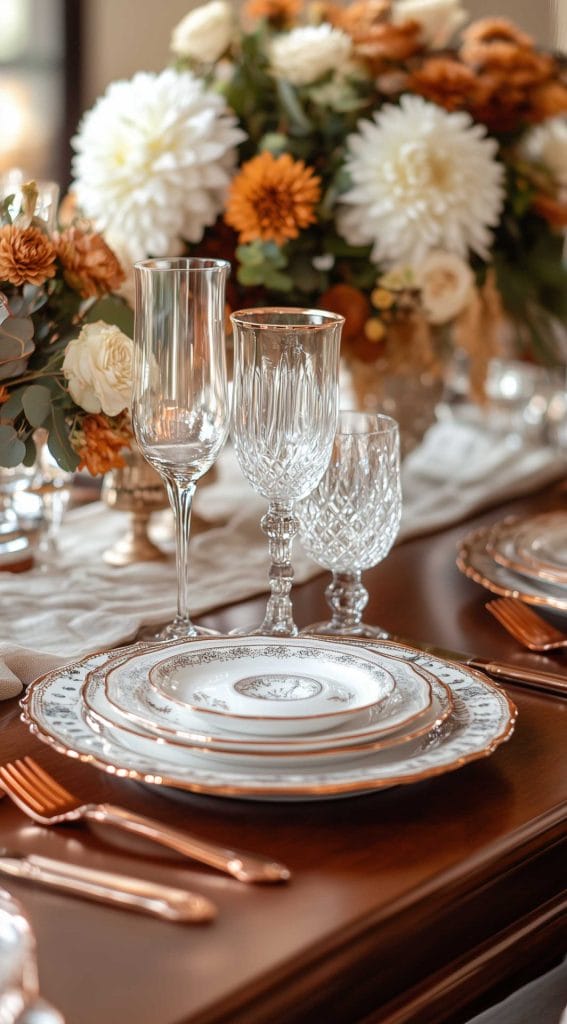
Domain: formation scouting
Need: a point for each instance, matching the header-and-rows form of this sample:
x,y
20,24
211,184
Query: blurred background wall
x,y
57,56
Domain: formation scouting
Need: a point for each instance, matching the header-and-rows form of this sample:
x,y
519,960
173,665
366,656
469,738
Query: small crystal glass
x,y
350,520
285,408
180,407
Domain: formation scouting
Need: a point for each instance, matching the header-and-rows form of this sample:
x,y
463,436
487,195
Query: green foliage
x,y
263,264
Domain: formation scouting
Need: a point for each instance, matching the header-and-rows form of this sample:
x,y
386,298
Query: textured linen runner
x,y
84,605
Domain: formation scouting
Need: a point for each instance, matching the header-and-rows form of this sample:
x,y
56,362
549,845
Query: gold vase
x,y
138,489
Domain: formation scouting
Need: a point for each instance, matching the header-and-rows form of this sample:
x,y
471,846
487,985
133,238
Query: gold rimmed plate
x,y
128,695
505,544
482,719
475,560
413,684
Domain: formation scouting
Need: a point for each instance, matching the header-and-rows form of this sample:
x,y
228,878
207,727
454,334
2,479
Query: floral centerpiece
x,y
62,367
379,159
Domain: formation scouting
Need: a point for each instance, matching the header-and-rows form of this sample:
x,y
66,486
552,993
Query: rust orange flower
x,y
547,100
26,256
351,303
272,199
445,81
479,38
553,210
89,265
280,13
375,39
99,443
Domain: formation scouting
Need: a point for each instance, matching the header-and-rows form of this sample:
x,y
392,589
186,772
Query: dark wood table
x,y
420,903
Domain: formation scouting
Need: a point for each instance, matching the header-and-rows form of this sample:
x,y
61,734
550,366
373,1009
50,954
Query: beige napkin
x,y
84,605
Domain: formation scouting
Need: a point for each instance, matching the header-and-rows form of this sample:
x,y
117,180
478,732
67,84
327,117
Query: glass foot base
x,y
180,631
261,631
361,630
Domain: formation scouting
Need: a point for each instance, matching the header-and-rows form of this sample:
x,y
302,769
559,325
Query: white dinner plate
x,y
542,543
483,718
127,693
270,686
505,544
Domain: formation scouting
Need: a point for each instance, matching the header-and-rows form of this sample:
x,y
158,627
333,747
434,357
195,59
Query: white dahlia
x,y
422,179
304,55
547,145
155,156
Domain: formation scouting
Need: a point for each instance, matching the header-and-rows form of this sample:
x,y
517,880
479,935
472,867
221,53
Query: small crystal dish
x,y
267,687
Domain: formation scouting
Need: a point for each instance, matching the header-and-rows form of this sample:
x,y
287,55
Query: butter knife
x,y
532,678
124,891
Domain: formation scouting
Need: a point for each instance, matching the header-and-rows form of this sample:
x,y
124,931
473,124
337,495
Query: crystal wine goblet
x,y
180,407
350,520
285,407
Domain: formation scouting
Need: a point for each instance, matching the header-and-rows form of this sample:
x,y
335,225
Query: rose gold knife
x,y
532,678
124,891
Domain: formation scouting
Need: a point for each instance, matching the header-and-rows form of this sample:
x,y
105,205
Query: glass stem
x,y
347,598
280,526
180,496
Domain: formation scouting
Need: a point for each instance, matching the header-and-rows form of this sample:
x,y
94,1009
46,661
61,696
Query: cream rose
x,y
304,55
205,33
446,283
98,368
439,19
547,145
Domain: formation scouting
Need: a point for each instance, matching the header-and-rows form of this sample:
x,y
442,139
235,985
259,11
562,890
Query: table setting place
x,y
269,712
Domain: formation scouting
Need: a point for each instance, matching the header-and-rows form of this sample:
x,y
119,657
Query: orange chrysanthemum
x,y
445,81
89,265
547,100
280,13
479,38
99,443
26,256
272,199
375,39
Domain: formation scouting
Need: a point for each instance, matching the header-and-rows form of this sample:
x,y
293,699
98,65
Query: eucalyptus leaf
x,y
12,453
299,122
31,452
112,310
36,402
58,441
7,434
13,407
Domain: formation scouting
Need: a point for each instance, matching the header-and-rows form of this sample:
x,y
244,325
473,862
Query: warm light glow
x,y
16,121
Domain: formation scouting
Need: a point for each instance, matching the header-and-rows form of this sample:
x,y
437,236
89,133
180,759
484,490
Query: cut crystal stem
x,y
280,525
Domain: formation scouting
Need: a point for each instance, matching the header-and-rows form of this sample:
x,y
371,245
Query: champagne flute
x,y
285,407
180,408
351,519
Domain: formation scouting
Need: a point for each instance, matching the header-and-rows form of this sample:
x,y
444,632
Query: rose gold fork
x,y
45,801
526,625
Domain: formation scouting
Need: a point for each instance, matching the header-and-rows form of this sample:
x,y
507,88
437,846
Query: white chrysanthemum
x,y
439,19
155,156
205,33
306,54
422,179
547,145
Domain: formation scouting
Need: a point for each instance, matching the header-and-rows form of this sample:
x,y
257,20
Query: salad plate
x,y
127,694
542,543
267,686
483,718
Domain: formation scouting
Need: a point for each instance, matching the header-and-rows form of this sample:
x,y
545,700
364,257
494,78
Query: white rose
x,y
439,19
547,145
446,283
98,368
205,33
306,54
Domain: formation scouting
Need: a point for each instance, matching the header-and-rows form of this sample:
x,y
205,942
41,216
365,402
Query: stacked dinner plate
x,y
523,557
270,718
